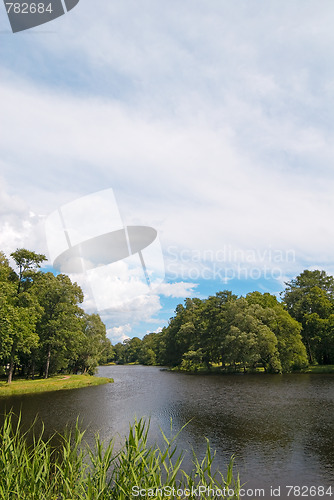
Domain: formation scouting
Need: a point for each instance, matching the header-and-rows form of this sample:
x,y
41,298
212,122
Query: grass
x,y
57,383
75,471
319,369
218,369
230,370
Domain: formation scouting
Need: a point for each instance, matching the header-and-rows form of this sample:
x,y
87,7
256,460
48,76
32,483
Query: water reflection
x,y
280,427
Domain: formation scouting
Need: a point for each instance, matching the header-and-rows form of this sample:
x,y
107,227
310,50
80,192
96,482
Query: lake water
x,y
279,427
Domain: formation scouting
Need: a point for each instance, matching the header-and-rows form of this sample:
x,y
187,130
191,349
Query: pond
x,y
279,427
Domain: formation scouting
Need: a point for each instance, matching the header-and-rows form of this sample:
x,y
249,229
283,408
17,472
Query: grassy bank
x,y
230,370
57,383
75,471
319,369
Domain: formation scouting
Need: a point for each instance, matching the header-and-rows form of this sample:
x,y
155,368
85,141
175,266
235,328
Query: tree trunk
x,y
47,366
11,370
309,352
11,365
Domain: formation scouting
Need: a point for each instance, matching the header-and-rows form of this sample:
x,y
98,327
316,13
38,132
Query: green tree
x,y
6,292
132,349
28,263
249,341
147,356
182,332
60,324
214,327
292,352
19,310
119,353
309,298
192,360
92,344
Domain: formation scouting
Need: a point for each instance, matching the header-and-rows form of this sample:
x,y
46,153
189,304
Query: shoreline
x,y
218,370
310,370
57,383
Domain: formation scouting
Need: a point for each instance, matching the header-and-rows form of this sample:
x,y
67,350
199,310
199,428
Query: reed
x,y
33,468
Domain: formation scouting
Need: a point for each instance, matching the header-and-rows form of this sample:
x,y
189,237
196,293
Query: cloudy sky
x,y
211,120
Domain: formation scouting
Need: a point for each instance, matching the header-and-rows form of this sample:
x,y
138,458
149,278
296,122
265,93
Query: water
x,y
281,428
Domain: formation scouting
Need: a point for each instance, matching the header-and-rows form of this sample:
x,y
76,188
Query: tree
x,y
6,292
192,360
147,356
292,352
28,263
132,348
183,331
18,311
60,324
91,344
119,353
213,326
309,298
41,322
249,341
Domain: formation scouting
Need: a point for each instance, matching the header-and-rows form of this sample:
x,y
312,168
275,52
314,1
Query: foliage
x,y
60,324
234,332
42,327
192,360
18,310
309,299
93,345
238,333
40,471
28,263
291,350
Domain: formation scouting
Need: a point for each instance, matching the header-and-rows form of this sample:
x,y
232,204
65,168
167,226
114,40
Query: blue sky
x,y
212,121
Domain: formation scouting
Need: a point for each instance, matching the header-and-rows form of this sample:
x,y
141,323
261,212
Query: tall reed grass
x,y
32,468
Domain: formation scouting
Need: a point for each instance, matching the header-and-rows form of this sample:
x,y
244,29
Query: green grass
x,y
73,470
319,369
57,383
218,369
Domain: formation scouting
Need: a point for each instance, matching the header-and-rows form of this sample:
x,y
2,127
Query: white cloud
x,y
178,289
119,333
19,227
191,177
211,122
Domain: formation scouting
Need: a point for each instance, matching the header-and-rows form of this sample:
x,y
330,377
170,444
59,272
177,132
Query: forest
x,y
245,333
43,329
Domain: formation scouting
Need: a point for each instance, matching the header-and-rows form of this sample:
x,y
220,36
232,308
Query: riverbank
x,y
57,383
219,370
318,369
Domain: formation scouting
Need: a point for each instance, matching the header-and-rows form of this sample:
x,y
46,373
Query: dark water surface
x,y
281,428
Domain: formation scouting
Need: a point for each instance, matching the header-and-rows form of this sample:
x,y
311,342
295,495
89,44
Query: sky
x,y
210,120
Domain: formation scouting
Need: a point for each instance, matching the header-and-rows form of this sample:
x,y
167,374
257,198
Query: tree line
x,y
43,329
245,332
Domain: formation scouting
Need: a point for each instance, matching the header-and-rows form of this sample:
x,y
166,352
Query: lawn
x,y
57,383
